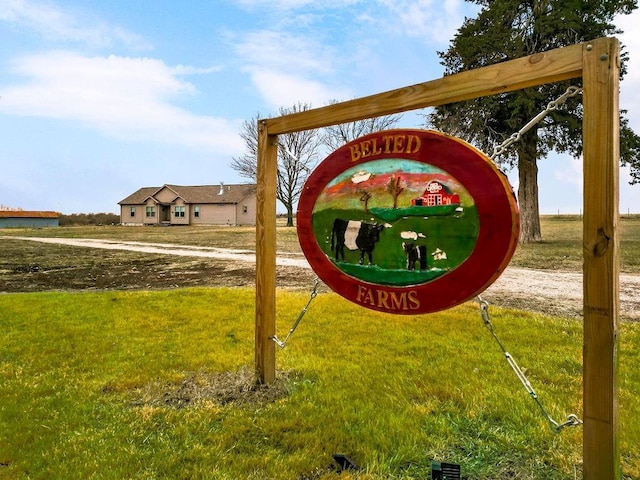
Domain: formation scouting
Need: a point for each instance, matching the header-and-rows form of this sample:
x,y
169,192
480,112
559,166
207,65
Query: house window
x,y
179,211
151,211
245,209
196,211
133,211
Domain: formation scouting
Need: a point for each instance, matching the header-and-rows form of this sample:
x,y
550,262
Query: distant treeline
x,y
89,219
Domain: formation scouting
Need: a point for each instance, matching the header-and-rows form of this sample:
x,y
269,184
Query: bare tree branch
x,y
297,156
335,136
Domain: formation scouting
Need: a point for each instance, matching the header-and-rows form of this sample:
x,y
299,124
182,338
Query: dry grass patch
x,y
195,389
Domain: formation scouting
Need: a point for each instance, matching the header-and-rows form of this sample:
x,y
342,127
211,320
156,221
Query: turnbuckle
x,y
572,419
283,343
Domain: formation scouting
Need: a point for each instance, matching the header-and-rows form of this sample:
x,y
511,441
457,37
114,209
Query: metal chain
x,y
314,293
551,106
572,420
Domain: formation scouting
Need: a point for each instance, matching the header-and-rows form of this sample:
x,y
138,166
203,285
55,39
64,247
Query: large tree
x,y
509,29
297,156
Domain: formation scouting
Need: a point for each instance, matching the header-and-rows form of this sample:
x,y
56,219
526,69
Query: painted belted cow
x,y
415,254
355,235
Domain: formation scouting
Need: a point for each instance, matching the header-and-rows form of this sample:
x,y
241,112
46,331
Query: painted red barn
x,y
436,193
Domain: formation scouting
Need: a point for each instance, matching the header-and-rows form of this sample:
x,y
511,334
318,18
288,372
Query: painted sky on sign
x,y
100,98
384,166
346,189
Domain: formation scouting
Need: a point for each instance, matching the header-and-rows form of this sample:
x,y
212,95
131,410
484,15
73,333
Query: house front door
x,y
165,214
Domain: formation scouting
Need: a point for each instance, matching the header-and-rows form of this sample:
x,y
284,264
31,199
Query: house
x,y
190,205
26,219
437,193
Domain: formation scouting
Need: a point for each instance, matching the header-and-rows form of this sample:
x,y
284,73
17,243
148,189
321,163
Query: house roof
x,y
27,214
139,196
200,194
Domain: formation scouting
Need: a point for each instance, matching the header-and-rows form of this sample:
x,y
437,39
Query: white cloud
x,y
123,97
428,19
630,85
54,24
284,89
293,4
286,51
287,69
299,58
569,171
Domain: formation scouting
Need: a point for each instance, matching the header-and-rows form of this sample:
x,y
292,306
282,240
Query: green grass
x,y
392,392
79,374
561,246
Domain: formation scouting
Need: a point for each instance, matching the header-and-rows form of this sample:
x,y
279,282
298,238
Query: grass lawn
x,y
141,382
122,385
561,246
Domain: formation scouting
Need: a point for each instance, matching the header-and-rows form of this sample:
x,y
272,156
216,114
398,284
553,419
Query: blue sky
x,y
100,98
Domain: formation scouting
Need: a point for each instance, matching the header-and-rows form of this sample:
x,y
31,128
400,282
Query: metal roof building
x,y
28,219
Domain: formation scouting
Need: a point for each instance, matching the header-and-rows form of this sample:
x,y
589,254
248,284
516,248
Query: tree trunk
x,y
528,191
290,215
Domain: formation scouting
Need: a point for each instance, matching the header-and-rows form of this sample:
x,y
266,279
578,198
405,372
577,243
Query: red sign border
x,y
496,207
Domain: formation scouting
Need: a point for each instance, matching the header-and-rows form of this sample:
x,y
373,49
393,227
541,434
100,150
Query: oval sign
x,y
407,221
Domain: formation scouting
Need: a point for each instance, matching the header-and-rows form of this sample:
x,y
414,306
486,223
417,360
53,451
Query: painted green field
x,y
454,234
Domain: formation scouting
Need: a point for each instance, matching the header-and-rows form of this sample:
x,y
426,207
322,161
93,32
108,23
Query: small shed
x,y
28,219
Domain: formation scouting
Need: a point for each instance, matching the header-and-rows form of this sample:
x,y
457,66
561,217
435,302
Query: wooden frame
x,y
597,63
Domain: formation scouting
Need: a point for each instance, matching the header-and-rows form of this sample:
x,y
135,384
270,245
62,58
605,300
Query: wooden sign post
x,y
601,262
597,63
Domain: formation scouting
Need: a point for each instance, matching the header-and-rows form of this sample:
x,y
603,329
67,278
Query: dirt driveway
x,y
547,291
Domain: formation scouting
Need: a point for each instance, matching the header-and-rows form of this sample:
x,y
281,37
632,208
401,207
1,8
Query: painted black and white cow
x,y
355,235
415,253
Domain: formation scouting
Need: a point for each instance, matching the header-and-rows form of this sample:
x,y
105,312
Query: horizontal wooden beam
x,y
538,69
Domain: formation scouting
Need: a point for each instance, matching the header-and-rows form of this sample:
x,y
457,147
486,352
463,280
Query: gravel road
x,y
549,291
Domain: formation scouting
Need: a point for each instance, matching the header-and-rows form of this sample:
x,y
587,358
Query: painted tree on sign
x,y
365,197
510,29
395,188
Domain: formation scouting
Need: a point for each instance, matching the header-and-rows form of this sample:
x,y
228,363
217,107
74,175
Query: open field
x,y
544,277
26,266
110,368
29,266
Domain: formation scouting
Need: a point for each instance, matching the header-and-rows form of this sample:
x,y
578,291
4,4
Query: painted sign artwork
x,y
407,221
